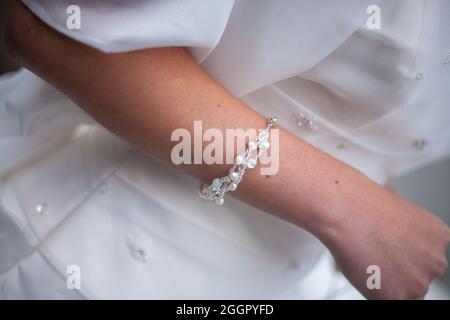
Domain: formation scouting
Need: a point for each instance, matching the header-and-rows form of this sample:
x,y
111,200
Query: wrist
x,y
332,214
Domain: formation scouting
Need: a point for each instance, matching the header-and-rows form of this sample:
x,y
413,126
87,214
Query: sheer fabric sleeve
x,y
126,25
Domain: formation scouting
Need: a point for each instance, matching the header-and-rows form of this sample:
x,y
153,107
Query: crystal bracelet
x,y
247,160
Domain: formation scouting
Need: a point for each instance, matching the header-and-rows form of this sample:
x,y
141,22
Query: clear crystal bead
x,y
265,145
139,254
216,183
420,76
234,176
306,122
239,160
42,207
251,163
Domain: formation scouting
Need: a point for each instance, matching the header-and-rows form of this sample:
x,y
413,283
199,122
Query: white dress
x,y
72,193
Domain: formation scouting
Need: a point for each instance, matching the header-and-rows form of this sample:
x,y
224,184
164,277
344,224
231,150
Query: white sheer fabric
x,y
124,25
74,194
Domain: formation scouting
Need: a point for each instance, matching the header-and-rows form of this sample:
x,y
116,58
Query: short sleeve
x,y
126,25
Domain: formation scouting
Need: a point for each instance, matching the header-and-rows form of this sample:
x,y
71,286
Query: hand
x,y
377,227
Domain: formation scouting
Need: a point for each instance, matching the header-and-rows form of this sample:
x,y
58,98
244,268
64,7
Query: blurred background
x,y
429,186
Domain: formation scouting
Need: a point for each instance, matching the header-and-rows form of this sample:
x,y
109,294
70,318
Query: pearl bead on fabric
x,y
42,207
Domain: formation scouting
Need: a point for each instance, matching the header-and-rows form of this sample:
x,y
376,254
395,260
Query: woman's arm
x,y
144,95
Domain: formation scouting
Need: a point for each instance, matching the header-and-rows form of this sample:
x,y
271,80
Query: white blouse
x,y
72,193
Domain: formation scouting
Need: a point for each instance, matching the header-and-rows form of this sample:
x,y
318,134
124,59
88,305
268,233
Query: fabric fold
x,y
124,25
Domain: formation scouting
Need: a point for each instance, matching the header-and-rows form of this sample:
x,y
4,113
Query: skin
x,y
144,95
